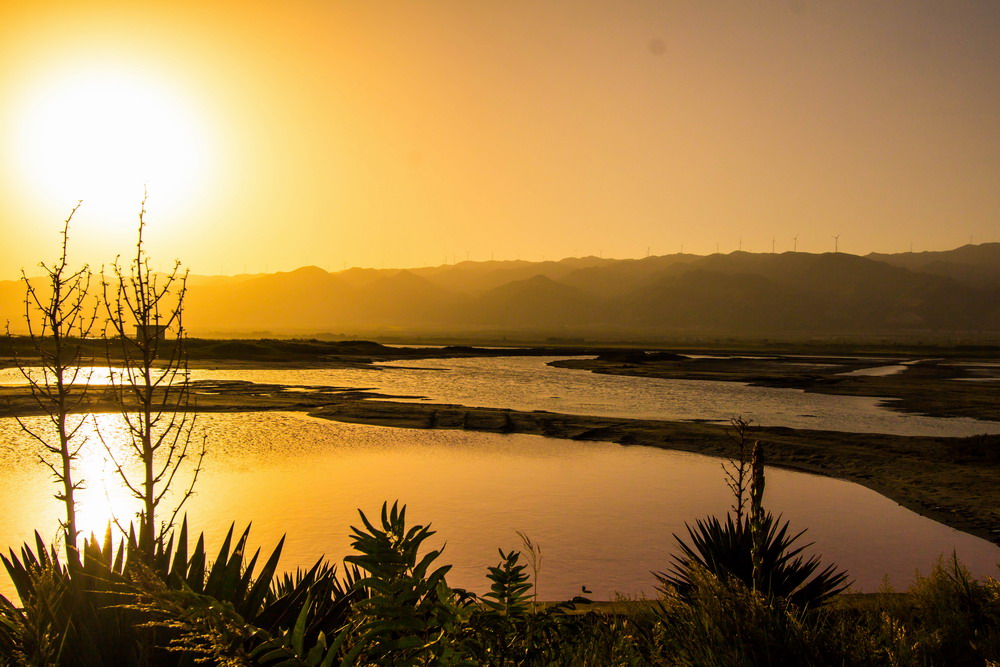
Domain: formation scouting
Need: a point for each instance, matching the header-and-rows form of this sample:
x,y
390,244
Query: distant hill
x,y
810,293
973,265
302,297
477,277
403,298
957,291
538,301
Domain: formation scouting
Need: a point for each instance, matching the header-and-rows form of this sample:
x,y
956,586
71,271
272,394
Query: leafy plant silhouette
x,y
755,548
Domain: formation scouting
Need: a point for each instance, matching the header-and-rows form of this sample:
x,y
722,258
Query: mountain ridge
x,y
739,292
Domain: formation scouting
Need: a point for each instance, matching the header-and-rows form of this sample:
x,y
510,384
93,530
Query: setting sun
x,y
101,135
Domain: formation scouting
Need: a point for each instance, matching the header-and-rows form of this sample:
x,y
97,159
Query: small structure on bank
x,y
151,332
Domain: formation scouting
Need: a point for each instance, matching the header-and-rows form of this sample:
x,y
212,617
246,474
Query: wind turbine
x,y
836,243
795,244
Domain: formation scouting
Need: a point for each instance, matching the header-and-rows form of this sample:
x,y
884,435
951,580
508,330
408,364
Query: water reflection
x,y
527,383
82,375
94,375
105,454
603,513
877,371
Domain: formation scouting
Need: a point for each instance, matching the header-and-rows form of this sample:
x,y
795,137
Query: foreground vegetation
x,y
391,604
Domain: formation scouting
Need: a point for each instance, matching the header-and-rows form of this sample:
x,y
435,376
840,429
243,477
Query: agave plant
x,y
68,614
755,548
118,606
726,549
230,611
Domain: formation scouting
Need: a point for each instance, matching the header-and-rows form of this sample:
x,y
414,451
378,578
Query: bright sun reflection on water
x,y
104,499
105,455
96,376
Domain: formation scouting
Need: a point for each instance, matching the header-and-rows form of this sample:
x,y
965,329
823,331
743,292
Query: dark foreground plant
x,y
756,549
220,609
410,615
726,549
120,609
946,617
510,590
721,622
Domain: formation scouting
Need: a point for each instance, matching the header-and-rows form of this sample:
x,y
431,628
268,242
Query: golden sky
x,y
273,135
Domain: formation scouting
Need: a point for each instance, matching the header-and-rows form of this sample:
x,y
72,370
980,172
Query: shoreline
x,y
934,387
919,473
955,481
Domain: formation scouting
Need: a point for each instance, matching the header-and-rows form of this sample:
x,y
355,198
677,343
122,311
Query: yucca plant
x,y
117,607
727,549
755,548
74,609
230,612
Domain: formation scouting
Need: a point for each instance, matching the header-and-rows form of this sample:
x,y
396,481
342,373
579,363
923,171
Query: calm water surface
x,y
602,513
527,383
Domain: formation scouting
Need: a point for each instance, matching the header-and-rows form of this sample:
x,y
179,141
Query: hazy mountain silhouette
x,y
973,265
795,293
402,298
625,275
299,300
809,293
358,277
538,301
476,277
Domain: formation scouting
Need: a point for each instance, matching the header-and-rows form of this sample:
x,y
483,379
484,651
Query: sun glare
x,y
101,136
104,499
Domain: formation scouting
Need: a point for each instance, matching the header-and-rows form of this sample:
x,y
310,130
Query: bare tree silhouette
x,y
144,312
59,314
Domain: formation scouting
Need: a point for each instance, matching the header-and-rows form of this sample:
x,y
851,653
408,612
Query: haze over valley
x,y
740,293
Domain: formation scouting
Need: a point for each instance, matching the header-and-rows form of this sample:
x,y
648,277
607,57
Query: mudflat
x,y
951,386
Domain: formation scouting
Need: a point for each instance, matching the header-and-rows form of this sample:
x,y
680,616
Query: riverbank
x,y
953,480
955,386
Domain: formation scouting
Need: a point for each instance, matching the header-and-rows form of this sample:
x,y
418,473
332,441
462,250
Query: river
x,y
603,514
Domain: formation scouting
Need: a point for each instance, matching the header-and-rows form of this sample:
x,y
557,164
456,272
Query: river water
x,y
528,383
603,514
